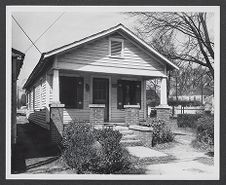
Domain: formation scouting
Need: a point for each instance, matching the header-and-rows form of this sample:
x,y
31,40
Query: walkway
x,y
188,161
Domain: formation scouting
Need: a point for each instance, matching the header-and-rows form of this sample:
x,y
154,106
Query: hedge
x,y
188,120
205,129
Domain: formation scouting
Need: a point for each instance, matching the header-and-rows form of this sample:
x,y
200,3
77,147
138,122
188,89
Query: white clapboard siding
x,y
97,54
75,114
38,110
43,93
32,99
37,97
39,118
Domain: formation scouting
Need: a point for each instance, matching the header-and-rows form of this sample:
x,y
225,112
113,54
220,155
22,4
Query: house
x,y
101,78
17,62
17,163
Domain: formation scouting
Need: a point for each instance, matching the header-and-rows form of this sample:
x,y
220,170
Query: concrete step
x,y
131,142
129,137
119,124
121,128
126,132
141,128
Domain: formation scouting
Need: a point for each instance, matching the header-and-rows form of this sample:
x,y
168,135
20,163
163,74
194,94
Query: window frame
x,y
117,40
130,83
76,78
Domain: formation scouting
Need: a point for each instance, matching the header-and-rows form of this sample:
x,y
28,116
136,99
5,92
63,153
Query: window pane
x,y
129,93
68,91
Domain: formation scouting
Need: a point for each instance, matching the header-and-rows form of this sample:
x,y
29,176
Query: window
x,y
116,47
129,93
71,92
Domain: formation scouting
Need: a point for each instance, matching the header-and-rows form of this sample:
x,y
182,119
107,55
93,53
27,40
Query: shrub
x,y
161,133
77,142
187,120
113,157
205,130
172,102
91,150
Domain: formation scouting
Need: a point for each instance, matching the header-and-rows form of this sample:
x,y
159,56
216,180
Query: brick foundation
x,y
163,113
96,115
132,114
56,122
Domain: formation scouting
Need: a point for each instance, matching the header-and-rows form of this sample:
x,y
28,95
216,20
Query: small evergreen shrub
x,y
161,133
113,157
78,150
205,130
188,120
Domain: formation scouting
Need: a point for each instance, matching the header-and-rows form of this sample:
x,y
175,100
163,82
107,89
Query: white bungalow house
x,y
107,70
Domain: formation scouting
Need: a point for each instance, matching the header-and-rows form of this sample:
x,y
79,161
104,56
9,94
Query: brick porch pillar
x,y
132,114
163,113
96,115
163,110
56,122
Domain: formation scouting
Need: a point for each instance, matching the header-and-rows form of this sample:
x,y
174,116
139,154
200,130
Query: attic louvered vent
x,y
116,47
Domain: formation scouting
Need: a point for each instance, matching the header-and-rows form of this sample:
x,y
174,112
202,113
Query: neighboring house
x,y
106,70
17,62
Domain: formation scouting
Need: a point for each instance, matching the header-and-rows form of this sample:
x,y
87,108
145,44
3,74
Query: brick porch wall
x,y
96,116
132,114
56,122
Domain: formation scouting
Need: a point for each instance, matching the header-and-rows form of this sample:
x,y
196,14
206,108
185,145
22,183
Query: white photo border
x,y
214,9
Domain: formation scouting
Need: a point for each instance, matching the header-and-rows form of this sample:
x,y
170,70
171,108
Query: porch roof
x,y
39,67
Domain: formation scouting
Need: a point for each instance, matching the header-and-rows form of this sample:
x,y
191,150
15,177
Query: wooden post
x,y
56,88
163,97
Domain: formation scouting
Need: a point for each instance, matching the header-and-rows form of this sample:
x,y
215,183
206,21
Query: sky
x,y
71,26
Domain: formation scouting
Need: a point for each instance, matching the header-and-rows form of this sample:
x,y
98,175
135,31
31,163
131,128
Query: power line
x,y
25,34
46,30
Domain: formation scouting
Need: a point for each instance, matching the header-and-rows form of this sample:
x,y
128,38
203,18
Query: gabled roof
x,y
119,27
105,33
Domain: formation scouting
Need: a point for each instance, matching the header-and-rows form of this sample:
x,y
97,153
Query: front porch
x,y
101,99
79,91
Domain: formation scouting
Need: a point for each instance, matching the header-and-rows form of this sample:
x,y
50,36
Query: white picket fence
x,y
182,110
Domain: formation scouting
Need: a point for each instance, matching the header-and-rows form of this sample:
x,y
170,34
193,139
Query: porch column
x,y
56,88
163,110
163,96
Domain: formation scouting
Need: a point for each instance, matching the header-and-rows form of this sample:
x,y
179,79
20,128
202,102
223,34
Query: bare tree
x,y
188,30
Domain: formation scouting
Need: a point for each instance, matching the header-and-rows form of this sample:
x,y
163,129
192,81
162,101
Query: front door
x,y
101,94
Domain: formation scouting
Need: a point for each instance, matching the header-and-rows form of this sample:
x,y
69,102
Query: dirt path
x,y
189,161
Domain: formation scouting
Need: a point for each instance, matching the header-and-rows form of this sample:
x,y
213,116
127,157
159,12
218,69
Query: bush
x,y
91,150
205,130
161,133
113,158
184,103
77,142
187,120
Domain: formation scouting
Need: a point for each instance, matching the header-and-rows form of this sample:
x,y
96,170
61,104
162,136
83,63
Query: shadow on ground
x,y
33,148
